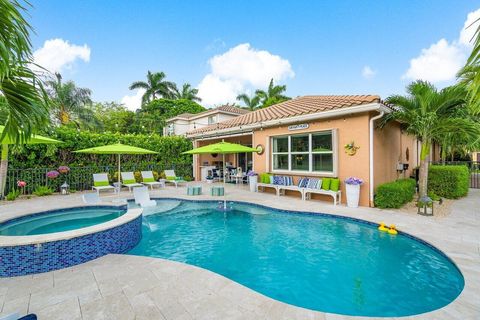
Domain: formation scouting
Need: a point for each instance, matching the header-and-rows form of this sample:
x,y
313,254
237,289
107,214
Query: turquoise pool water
x,y
58,221
316,262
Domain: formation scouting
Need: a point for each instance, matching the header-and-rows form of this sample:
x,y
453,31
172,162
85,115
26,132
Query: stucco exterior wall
x,y
348,129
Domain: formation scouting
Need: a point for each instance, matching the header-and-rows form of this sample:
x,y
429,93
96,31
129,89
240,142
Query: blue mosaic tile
x,y
54,255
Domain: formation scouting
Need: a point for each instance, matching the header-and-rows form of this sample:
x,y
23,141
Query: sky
x,y
225,48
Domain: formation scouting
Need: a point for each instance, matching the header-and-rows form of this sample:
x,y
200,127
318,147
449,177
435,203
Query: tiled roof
x,y
295,107
232,109
185,115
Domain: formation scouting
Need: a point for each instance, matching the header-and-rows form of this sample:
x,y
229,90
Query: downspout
x,y
371,179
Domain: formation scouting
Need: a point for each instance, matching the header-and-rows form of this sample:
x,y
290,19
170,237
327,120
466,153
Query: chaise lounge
x,y
100,182
172,178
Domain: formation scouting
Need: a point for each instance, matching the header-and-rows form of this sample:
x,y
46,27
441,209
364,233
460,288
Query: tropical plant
x,y
470,74
41,191
155,87
273,95
187,93
251,103
69,104
428,114
114,117
12,195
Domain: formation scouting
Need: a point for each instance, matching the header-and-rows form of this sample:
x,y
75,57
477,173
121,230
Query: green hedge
x,y
450,182
395,194
51,156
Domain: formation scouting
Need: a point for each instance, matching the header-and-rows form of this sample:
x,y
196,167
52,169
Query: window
x,y
311,152
211,120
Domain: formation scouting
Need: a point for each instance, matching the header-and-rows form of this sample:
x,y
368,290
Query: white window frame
x,y
310,153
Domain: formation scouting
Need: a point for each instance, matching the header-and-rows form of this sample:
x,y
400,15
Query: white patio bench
x,y
336,195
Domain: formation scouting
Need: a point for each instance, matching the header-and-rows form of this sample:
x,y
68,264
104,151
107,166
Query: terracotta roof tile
x,y
295,107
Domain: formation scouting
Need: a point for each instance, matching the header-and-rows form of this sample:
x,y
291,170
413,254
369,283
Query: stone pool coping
x,y
10,241
189,296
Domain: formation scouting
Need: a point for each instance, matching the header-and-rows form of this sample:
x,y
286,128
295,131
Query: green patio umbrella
x,y
117,149
222,148
34,139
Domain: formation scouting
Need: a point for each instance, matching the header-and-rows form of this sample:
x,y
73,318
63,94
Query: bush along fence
x,y
81,178
449,181
473,168
395,194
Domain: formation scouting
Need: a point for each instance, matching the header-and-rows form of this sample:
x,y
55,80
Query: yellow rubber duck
x,y
392,229
382,227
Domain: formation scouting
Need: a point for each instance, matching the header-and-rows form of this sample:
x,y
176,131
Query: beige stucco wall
x,y
352,128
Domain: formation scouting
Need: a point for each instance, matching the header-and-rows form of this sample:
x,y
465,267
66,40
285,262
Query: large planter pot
x,y
252,182
353,195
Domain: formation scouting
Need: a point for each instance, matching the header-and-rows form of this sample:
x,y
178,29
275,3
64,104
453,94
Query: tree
x,y
187,93
428,114
155,87
114,117
151,117
23,98
273,95
251,103
470,74
69,104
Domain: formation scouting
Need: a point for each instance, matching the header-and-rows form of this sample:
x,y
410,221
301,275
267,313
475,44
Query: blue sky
x,y
318,47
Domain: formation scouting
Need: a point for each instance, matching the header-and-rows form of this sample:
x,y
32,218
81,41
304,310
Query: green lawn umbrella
x,y
117,149
34,139
222,148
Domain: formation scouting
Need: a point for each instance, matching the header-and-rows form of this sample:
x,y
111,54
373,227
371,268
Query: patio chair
x,y
128,180
142,197
100,182
91,198
172,178
149,180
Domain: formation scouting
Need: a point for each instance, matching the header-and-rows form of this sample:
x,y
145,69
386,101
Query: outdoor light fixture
x,y
425,206
64,188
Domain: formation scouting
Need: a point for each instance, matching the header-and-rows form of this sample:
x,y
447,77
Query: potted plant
x,y
209,179
352,186
252,180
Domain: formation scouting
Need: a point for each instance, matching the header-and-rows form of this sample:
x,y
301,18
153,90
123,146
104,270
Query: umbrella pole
x,y
224,185
119,182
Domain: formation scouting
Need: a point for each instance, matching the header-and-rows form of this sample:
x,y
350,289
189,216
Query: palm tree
x,y
251,103
22,91
187,93
470,74
155,87
69,103
273,95
428,114
23,98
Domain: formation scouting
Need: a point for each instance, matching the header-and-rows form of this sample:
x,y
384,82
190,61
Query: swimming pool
x,y
319,262
59,220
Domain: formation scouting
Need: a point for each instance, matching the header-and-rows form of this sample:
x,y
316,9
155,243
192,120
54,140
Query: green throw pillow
x,y
326,183
335,184
129,181
265,178
100,183
178,178
171,178
148,180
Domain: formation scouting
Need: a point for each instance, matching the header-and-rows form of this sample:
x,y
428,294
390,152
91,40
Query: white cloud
x,y
57,55
442,60
368,72
241,69
133,102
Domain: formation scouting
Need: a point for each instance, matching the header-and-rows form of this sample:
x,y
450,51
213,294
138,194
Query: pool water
x,y
58,221
317,262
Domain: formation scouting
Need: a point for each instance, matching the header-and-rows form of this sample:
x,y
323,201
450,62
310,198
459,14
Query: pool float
x,y
382,227
392,229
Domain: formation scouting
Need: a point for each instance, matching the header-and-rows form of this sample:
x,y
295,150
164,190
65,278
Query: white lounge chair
x,y
172,178
100,182
91,198
128,180
149,180
142,197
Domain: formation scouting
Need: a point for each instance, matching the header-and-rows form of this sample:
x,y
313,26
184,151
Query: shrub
x,y
42,191
12,195
450,182
395,194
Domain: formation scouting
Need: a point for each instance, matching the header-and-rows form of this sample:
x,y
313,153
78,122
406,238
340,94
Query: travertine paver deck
x,y
131,287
